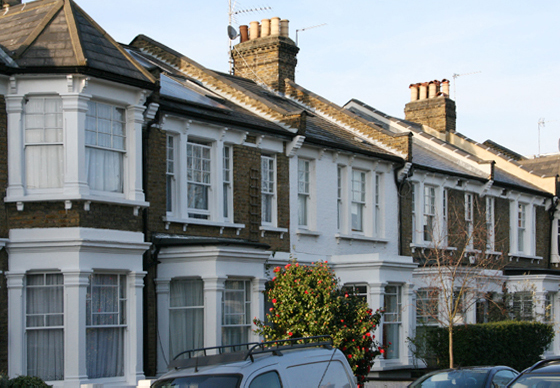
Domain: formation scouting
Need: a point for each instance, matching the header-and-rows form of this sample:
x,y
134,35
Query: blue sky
x,y
506,53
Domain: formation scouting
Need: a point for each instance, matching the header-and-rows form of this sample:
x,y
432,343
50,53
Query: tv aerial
x,y
455,76
307,28
231,31
540,125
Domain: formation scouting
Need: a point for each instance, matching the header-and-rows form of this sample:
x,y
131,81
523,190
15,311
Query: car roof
x,y
286,358
549,366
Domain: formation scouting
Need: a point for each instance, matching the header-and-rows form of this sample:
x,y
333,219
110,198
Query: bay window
x,y
186,315
105,325
44,149
236,312
44,323
105,147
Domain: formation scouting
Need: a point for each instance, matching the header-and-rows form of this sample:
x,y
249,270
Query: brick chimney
x,y
430,105
266,54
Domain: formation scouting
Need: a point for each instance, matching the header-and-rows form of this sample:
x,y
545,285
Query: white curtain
x,y
104,170
105,352
186,316
44,321
44,166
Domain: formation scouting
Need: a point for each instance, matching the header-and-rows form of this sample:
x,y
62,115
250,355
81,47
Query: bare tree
x,y
460,267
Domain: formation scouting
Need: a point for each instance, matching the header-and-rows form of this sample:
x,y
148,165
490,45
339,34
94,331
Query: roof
x,y
272,110
425,157
57,35
547,165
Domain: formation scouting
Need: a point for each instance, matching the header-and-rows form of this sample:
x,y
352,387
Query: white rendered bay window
x,y
105,147
44,323
44,150
105,325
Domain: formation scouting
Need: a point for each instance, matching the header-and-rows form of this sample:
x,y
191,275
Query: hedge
x,y
512,343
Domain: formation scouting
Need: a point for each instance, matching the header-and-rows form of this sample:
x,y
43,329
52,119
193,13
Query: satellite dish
x,y
232,32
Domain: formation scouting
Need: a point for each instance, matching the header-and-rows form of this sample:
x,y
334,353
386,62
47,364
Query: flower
x,y
274,300
270,309
381,351
290,333
277,269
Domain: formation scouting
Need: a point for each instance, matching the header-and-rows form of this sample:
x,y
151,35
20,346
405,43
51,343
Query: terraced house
x,y
146,196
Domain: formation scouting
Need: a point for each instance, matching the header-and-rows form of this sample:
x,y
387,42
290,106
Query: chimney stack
x,y
430,105
268,55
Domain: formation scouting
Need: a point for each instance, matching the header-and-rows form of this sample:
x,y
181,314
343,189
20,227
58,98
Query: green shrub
x,y
22,382
512,343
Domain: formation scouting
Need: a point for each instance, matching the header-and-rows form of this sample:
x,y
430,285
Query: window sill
x,y
423,247
359,237
195,221
517,256
87,199
266,228
307,232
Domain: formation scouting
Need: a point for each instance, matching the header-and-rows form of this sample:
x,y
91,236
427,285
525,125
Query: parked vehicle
x,y
543,374
472,377
295,363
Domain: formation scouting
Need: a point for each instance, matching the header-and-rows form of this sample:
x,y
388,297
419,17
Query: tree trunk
x,y
450,346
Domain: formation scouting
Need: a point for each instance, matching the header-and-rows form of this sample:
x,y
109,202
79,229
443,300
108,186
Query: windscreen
x,y
453,379
204,381
537,381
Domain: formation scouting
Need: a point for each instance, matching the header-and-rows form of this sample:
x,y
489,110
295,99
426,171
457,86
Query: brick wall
x,y
437,113
268,60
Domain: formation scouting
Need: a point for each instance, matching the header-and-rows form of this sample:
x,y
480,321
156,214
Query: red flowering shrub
x,y
308,302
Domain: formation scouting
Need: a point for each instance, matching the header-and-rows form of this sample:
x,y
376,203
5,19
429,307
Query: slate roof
x,y
318,130
57,35
424,157
548,165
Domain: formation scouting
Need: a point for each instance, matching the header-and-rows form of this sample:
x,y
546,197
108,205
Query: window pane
x,y
186,315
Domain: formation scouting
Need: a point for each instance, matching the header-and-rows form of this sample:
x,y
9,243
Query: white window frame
x,y
378,204
117,146
269,188
45,317
522,227
490,223
227,180
358,189
244,313
36,178
392,318
429,220
121,313
185,308
469,219
201,166
171,177
304,193
340,208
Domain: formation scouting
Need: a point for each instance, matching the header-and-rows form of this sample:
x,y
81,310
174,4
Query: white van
x,y
280,364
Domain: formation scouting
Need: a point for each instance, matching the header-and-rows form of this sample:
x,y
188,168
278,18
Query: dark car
x,y
473,377
544,374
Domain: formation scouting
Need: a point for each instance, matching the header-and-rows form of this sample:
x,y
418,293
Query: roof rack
x,y
233,353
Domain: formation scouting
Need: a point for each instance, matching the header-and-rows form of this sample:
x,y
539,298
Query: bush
x,y
512,343
22,382
307,301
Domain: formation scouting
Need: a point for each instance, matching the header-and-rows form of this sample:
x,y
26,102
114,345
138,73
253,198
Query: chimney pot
x,y
244,32
265,27
432,89
423,91
284,28
413,92
445,87
254,30
275,26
